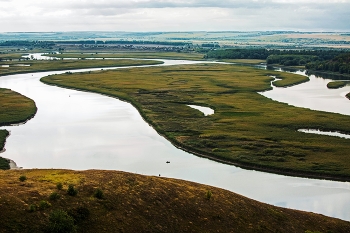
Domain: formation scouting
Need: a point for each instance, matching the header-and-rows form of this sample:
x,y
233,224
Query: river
x,y
81,130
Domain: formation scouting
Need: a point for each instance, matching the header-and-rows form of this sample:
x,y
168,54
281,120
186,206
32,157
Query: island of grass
x,y
50,65
14,108
247,129
348,95
113,201
337,84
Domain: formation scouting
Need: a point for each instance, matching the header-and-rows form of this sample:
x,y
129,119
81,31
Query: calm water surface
x,y
80,130
313,95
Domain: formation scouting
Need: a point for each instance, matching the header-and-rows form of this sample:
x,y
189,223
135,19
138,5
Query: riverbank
x,y
121,201
267,146
14,109
56,65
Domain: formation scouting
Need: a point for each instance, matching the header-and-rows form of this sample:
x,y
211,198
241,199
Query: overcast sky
x,y
174,15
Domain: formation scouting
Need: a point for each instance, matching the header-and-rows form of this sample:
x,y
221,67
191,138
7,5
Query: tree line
x,y
26,43
340,63
319,60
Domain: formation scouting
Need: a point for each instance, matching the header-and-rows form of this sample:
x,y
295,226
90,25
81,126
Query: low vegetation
x,y
4,164
136,203
339,64
337,84
247,129
14,108
135,54
48,65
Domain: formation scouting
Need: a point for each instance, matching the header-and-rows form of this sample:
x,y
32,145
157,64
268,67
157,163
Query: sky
x,y
173,15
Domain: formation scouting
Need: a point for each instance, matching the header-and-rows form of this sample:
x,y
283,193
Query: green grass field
x,y
337,84
247,129
47,65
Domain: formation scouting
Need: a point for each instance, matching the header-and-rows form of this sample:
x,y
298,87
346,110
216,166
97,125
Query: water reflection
x,y
80,130
205,110
317,131
313,94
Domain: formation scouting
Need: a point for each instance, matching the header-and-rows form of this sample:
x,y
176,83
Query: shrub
x,y
54,196
32,208
98,194
60,222
44,205
79,214
59,186
71,190
22,178
208,195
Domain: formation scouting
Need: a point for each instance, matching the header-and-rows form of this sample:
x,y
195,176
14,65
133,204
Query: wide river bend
x,y
81,130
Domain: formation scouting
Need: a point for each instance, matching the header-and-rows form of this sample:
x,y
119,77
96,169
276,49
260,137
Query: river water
x,y
80,130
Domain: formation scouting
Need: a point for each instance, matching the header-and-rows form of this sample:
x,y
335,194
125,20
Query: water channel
x,y
81,130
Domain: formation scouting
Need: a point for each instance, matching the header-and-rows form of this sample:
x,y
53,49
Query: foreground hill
x,y
113,201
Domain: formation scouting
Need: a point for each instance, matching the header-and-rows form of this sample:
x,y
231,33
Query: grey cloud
x,y
200,3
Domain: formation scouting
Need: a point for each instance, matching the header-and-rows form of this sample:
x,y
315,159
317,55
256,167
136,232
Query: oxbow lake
x,y
81,130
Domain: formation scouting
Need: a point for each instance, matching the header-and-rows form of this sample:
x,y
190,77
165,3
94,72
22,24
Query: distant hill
x,y
112,201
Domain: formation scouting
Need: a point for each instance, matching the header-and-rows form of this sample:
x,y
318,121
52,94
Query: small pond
x,y
205,110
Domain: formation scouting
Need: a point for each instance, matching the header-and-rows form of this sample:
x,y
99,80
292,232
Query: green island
x,y
15,67
337,84
14,108
247,129
50,200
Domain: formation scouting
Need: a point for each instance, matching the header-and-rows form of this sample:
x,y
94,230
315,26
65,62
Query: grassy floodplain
x,y
48,65
14,108
135,203
135,54
247,129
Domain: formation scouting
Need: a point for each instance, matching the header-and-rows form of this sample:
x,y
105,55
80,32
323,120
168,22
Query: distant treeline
x,y
238,54
278,55
210,45
125,42
340,63
319,60
25,43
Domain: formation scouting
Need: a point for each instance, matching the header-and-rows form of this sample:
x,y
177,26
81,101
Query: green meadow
x,y
48,65
337,84
247,128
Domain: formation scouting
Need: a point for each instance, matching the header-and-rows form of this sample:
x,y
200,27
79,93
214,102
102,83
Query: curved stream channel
x,y
80,130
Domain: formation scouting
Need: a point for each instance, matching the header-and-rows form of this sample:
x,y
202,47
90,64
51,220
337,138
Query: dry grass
x,y
136,203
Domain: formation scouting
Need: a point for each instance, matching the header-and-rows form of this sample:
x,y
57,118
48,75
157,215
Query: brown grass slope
x,y
137,203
